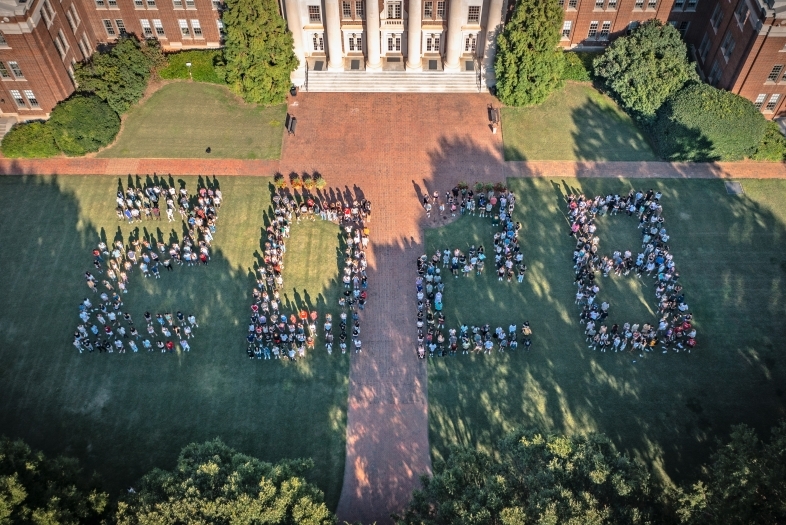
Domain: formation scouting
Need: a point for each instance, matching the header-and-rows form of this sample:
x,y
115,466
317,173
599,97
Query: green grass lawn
x,y
664,409
123,414
575,123
183,119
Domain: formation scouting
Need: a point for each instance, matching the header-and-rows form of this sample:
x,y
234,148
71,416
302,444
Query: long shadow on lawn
x,y
124,414
664,409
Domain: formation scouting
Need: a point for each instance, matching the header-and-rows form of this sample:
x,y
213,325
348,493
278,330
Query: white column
x,y
333,29
453,51
414,35
493,27
373,48
296,28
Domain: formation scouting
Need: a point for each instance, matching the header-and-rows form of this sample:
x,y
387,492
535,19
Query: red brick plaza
x,y
390,147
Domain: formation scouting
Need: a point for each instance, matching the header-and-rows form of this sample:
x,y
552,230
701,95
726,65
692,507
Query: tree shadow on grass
x,y
124,414
664,409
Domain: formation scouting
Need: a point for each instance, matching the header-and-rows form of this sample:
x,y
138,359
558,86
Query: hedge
x,y
578,66
206,66
773,145
701,123
82,124
30,140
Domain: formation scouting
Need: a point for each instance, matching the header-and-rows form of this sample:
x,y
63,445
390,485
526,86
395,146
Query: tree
x,y
41,491
773,144
701,123
119,75
215,484
529,65
82,124
536,479
646,67
745,483
258,51
30,140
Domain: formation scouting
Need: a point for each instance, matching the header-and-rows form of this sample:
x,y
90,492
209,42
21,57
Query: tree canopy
x,y
701,123
528,64
745,483
41,491
258,51
536,479
646,67
214,484
82,124
119,75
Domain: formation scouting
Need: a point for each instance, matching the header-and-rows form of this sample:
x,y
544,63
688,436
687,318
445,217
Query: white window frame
x,y
759,102
17,96
196,29
147,29
185,31
108,27
159,28
772,103
592,32
13,65
567,27
473,15
31,98
314,14
605,30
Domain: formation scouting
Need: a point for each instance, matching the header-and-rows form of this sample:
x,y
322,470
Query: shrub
x,y
294,180
701,123
119,75
773,145
205,66
279,181
82,124
30,140
644,69
578,66
319,181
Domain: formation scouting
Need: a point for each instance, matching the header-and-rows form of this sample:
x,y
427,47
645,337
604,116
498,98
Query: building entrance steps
x,y
392,82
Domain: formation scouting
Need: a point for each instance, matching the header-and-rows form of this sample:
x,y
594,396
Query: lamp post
x,y
188,65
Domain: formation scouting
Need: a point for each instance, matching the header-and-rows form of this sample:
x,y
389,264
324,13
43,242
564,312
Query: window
x,y
652,4
394,10
692,5
139,4
71,22
599,4
360,12
178,4
355,42
15,70
772,102
2,40
683,27
605,29
31,98
121,27
17,96
99,3
631,27
678,4
217,5
612,4
71,74
151,4
3,71
146,29
727,47
742,12
715,73
46,12
566,27
190,4
74,15
159,28
346,9
432,42
87,43
561,3
717,17
428,9
474,14
220,25
639,4
593,29
82,48
184,28
759,102
704,47
319,43
109,29
111,3
775,73
63,40
572,4
470,43
441,9
197,28
314,15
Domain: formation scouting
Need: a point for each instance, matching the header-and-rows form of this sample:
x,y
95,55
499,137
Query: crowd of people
x,y
508,263
674,330
113,264
272,334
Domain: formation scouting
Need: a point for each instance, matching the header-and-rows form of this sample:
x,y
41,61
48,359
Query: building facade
x,y
738,45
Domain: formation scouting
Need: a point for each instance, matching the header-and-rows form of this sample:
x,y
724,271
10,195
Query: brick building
x,y
739,45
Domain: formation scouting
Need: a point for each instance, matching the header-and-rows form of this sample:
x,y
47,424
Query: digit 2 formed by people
x,y
104,325
674,330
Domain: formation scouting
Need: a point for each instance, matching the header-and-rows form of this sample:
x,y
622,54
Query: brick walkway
x,y
390,148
